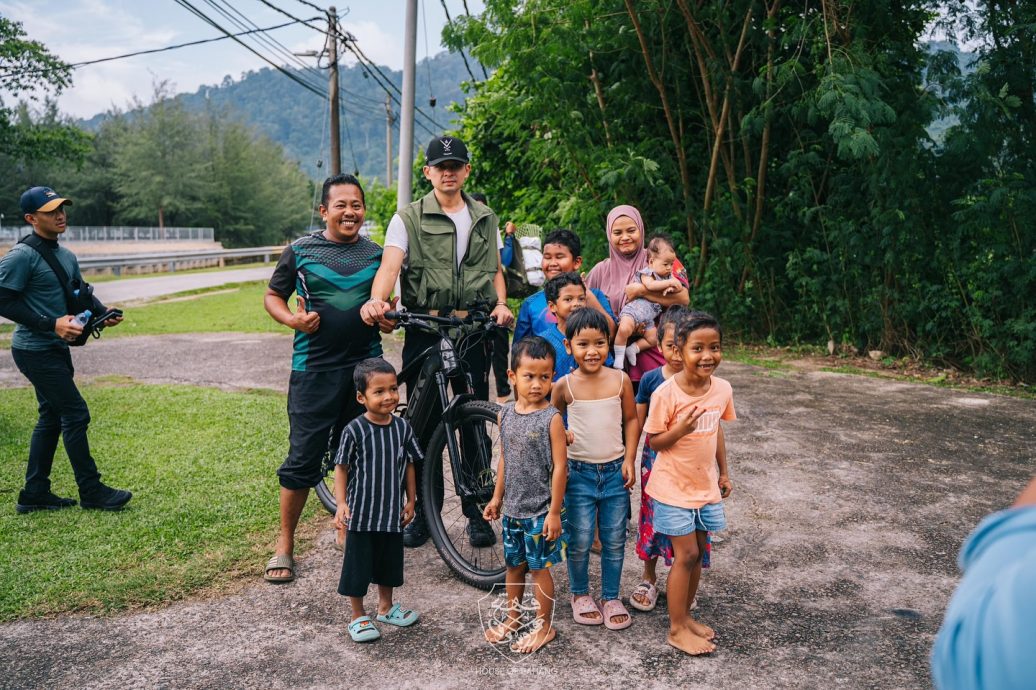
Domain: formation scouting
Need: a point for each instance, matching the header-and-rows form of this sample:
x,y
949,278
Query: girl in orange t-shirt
x,y
690,479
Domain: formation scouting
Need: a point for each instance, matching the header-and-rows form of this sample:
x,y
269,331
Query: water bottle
x,y
84,318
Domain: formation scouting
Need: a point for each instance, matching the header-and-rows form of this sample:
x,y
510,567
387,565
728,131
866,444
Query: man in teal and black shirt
x,y
331,273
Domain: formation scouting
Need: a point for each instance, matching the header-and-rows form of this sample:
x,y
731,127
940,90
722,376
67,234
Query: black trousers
x,y
501,350
63,414
320,404
476,363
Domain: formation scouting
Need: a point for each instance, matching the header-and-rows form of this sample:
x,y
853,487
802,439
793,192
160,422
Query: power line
x,y
270,42
350,45
291,16
201,15
316,7
372,69
159,50
462,57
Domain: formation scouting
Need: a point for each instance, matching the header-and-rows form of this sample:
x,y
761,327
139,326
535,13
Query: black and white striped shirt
x,y
376,457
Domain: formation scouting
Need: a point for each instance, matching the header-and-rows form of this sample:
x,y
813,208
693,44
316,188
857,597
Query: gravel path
x,y
852,496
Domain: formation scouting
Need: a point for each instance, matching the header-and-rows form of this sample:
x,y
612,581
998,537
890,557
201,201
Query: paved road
x,y
852,496
118,292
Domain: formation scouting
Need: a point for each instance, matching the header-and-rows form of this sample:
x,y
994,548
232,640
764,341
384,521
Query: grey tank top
x,y
528,464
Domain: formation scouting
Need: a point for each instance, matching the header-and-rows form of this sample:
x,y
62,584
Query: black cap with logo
x,y
446,148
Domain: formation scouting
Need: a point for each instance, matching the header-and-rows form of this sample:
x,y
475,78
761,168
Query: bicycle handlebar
x,y
406,317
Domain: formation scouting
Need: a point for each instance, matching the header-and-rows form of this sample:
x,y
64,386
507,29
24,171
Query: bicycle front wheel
x,y
449,514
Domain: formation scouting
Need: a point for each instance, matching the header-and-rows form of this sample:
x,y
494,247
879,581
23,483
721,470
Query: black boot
x,y
416,533
103,497
480,534
27,502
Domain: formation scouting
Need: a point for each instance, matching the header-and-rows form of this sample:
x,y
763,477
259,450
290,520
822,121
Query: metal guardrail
x,y
170,260
116,233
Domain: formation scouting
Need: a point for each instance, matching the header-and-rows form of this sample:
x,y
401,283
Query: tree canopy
x,y
785,147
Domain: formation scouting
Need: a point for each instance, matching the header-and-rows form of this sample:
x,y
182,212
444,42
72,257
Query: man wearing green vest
x,y
445,250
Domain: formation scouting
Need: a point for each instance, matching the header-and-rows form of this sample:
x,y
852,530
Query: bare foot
x,y
700,629
527,644
689,643
501,631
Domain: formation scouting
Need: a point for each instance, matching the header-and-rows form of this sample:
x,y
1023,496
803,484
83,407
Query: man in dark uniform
x,y
31,295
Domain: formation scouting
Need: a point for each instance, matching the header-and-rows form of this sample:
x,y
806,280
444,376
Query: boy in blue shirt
x,y
565,293
561,254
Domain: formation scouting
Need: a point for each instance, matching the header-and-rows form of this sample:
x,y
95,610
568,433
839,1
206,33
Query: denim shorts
x,y
677,522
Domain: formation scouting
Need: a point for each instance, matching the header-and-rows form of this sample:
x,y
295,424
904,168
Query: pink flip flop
x,y
613,608
581,606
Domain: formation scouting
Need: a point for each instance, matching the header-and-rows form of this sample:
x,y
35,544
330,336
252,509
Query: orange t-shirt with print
x,y
686,475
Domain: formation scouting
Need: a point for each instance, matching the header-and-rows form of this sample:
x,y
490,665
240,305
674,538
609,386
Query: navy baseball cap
x,y
444,148
41,199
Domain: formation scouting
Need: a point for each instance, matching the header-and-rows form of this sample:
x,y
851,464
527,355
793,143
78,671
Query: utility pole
x,y
406,109
332,57
389,119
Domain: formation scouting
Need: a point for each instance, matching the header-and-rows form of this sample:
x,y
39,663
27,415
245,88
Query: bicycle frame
x,y
433,365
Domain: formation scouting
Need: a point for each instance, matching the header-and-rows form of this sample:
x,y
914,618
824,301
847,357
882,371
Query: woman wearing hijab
x,y
616,276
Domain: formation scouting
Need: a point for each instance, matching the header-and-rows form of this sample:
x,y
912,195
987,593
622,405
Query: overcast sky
x,y
81,30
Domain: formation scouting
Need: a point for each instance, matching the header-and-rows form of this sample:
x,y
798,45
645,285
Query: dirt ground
x,y
851,498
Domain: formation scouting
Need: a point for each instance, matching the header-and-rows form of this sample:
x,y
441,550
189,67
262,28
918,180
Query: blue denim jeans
x,y
596,495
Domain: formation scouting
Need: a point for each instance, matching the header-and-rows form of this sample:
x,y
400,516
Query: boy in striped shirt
x,y
375,461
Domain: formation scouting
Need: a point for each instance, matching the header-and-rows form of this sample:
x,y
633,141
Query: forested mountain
x,y
297,119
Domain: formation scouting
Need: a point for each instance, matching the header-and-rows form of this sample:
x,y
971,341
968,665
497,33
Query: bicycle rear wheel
x,y
447,514
326,488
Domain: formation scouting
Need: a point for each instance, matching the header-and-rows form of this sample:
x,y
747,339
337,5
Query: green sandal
x,y
362,630
398,616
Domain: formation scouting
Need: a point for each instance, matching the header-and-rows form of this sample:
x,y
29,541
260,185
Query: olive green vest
x,y
431,279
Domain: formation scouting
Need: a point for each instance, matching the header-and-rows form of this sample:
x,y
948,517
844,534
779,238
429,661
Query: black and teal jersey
x,y
335,280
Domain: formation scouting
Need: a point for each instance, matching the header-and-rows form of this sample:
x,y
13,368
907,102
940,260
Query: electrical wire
x,y
380,77
320,161
348,42
270,42
427,60
157,50
201,15
468,13
316,7
462,56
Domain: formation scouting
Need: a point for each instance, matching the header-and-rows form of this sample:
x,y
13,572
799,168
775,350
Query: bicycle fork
x,y
474,482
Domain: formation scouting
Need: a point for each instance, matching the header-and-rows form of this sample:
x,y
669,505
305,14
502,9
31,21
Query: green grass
x,y
201,464
109,277
940,380
236,307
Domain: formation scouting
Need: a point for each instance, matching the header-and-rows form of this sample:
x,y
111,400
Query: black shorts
x,y
320,404
371,558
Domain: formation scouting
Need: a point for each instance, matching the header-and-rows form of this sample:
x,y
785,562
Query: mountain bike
x,y
462,455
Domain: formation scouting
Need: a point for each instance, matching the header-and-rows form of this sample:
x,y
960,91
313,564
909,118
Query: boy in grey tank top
x,y
530,490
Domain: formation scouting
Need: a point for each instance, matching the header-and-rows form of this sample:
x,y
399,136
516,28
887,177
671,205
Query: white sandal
x,y
648,592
